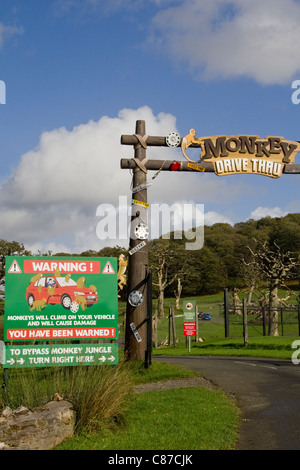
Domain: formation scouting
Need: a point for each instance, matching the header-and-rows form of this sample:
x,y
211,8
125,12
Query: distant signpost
x,y
54,299
189,320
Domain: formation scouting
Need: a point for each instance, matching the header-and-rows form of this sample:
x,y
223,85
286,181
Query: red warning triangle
x,y
15,268
108,269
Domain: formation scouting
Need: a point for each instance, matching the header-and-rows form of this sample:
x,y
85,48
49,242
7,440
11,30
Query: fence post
x,y
148,353
197,323
245,324
173,327
263,313
155,329
169,325
226,313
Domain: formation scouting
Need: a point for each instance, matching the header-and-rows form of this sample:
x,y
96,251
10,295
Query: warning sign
x,y
58,298
15,268
108,269
189,329
62,266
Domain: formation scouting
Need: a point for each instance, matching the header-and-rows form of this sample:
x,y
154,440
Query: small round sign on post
x,y
135,298
173,139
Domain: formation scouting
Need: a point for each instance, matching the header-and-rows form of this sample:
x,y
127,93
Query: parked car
x,y
204,316
60,290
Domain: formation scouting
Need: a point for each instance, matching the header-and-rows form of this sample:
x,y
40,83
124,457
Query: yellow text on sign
x,y
195,167
140,203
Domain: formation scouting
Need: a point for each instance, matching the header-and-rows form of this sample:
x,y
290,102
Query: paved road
x,y
267,391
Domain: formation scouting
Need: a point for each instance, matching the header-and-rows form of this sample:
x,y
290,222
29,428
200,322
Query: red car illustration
x,y
60,290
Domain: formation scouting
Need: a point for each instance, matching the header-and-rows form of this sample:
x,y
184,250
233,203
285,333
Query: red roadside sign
x,y
189,329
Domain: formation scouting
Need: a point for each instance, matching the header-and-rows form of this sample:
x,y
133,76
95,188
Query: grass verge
x,y
263,346
180,419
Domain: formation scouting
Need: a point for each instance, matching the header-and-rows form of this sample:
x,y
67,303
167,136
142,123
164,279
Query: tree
x,y
177,293
275,267
6,249
167,266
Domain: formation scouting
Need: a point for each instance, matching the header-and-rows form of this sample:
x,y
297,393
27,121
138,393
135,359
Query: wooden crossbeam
x,y
165,165
160,141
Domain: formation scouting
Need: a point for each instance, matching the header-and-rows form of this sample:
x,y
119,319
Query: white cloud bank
x,y
54,192
51,199
261,212
236,38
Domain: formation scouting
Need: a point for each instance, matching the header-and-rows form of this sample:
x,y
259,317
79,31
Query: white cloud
x,y
50,200
8,31
261,212
236,38
53,194
211,218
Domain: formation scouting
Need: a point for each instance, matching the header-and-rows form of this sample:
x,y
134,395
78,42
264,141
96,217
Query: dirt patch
x,y
178,383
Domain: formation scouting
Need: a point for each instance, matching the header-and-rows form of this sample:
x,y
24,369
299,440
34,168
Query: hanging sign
x,y
243,154
140,203
60,298
195,167
141,187
135,332
137,248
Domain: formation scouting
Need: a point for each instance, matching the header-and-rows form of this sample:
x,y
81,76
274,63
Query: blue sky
x,y
79,73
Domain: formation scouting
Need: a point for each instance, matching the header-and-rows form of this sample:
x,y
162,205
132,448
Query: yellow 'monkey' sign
x,y
243,154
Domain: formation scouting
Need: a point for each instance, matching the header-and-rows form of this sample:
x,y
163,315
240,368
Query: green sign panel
x,y
189,312
60,355
60,298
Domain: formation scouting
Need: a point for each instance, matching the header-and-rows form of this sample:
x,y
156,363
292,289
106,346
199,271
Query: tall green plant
x,y
98,393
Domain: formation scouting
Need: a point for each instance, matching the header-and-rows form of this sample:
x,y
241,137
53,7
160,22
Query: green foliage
x,y
10,248
219,263
208,270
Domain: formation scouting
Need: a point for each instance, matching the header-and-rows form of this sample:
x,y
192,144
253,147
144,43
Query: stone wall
x,y
39,429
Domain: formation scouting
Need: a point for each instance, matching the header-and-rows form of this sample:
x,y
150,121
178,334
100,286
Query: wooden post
x,y
169,327
155,330
263,319
226,312
197,323
138,263
148,357
173,327
245,323
281,320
